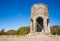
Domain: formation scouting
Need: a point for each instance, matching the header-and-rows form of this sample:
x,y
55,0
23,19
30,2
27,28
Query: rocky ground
x,y
30,38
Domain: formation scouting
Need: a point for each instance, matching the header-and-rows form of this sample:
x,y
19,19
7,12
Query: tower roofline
x,y
40,4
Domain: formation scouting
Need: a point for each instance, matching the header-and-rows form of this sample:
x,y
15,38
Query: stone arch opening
x,y
47,22
39,24
32,21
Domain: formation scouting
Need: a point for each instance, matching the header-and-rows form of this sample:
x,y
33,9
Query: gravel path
x,y
24,38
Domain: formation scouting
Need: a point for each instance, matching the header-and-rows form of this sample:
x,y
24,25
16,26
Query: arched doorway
x,y
47,22
39,24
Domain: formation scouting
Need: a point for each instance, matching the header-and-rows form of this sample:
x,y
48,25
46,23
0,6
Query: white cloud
x,y
19,14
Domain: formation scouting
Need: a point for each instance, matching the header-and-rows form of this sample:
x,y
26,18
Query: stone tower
x,y
39,19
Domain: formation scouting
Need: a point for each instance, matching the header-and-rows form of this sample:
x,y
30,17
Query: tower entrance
x,y
39,24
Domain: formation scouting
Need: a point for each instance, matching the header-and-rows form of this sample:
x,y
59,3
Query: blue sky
x,y
16,13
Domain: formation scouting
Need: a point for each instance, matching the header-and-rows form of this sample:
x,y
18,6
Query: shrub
x,y
55,30
23,30
2,32
11,32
